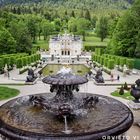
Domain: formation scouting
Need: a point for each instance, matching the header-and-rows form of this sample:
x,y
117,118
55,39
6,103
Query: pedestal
x,y
134,105
135,108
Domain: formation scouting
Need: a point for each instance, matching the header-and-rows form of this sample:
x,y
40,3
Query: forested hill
x,y
90,4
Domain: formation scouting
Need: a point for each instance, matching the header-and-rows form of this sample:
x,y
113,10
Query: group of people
x,y
112,77
6,74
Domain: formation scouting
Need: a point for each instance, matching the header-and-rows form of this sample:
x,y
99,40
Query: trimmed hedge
x,y
130,63
19,63
110,64
137,63
20,59
122,61
93,48
1,63
118,60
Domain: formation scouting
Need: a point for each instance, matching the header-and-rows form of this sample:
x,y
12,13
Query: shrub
x,y
110,64
19,63
98,58
107,71
105,62
25,61
32,58
12,60
125,86
22,71
117,60
92,56
6,60
121,91
99,51
122,61
95,57
130,63
101,60
1,63
29,60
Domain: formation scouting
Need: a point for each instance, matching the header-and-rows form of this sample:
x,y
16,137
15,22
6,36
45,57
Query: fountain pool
x,y
54,68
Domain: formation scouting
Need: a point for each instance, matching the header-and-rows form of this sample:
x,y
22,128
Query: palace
x,y
65,45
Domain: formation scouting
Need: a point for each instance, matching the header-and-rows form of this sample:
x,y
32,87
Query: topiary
x,y
125,86
121,92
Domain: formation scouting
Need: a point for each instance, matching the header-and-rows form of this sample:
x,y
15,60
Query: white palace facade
x,y
65,45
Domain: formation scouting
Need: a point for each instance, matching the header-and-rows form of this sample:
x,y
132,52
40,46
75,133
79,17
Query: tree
x,y
7,42
57,24
72,14
72,25
32,25
78,26
66,13
47,28
82,26
22,36
87,15
125,39
93,21
102,28
81,14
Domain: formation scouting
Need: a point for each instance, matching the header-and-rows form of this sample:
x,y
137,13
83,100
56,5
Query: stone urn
x,y
135,91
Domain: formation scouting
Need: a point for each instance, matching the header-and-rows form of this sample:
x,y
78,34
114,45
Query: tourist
x,y
8,74
118,77
112,77
40,73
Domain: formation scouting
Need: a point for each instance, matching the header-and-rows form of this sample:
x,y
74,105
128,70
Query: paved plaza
x,y
89,87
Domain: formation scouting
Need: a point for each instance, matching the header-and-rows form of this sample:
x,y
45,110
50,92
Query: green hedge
x,y
110,64
137,63
20,59
93,48
122,61
19,63
1,63
130,63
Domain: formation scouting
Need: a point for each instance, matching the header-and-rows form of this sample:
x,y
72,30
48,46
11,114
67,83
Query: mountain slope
x,y
118,4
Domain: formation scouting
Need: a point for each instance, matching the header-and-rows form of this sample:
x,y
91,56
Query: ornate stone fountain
x,y
135,92
64,113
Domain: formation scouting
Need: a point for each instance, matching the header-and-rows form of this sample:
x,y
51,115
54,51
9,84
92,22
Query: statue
x,y
135,91
98,77
31,77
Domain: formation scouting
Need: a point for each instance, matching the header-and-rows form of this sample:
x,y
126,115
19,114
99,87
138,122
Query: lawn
x,y
43,44
6,93
91,39
126,95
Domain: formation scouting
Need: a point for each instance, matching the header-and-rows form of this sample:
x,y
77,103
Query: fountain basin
x,y
78,69
20,120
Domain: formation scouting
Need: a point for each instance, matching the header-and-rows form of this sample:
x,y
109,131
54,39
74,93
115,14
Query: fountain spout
x,y
66,131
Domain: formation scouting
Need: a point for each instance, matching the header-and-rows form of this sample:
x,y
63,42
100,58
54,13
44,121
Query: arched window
x,y
68,52
62,52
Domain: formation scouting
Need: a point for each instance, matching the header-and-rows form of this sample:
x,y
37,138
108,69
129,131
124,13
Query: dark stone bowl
x,y
19,120
136,94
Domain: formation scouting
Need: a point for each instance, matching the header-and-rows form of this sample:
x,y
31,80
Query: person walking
x,y
8,74
118,77
112,77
